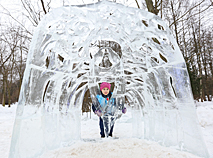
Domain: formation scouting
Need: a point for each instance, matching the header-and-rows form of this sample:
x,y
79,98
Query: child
x,y
106,106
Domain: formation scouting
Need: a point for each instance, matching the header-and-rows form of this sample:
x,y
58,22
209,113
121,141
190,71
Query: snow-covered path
x,y
92,146
7,118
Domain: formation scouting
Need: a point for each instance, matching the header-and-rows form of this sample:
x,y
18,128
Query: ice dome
x,y
145,67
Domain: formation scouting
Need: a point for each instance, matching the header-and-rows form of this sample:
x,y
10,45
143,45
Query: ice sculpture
x,y
145,67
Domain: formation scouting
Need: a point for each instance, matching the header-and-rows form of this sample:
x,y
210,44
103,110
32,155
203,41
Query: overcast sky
x,y
16,9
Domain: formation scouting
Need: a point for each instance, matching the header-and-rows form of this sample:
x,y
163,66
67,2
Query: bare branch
x,y
8,13
42,3
48,5
187,12
31,13
137,4
190,16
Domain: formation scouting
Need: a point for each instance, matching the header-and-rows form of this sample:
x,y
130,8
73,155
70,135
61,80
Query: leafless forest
x,y
190,21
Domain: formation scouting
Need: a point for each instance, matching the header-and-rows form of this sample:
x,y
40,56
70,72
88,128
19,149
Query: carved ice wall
x,y
61,67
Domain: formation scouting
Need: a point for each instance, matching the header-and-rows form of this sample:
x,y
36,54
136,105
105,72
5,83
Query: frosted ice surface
x,y
74,49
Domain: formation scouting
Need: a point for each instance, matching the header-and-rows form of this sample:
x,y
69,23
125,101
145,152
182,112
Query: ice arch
x,y
59,72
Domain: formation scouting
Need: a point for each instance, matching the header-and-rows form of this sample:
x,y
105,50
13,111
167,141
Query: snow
x,y
73,50
142,60
7,118
205,116
91,145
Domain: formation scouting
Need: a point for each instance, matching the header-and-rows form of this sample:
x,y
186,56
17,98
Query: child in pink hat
x,y
105,100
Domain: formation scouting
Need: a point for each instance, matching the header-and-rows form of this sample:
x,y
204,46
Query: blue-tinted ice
x,y
76,48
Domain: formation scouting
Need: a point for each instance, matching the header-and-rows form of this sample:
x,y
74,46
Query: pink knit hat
x,y
105,85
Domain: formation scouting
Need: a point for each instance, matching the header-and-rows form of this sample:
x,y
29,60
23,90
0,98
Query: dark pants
x,y
102,128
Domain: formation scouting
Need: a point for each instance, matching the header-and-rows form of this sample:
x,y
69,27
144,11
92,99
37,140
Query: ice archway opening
x,y
64,63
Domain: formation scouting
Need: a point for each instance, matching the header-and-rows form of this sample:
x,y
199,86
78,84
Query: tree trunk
x,y
150,6
199,63
4,89
204,58
175,23
161,9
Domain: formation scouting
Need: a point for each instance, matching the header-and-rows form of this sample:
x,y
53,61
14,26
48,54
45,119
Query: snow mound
x,y
119,148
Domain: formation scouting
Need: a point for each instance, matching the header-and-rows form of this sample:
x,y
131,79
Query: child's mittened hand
x,y
98,112
124,110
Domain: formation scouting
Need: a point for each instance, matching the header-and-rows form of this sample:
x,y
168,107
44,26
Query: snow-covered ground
x,y
205,116
92,146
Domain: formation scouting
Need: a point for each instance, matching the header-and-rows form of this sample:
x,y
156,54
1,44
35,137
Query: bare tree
x,y
34,13
14,42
